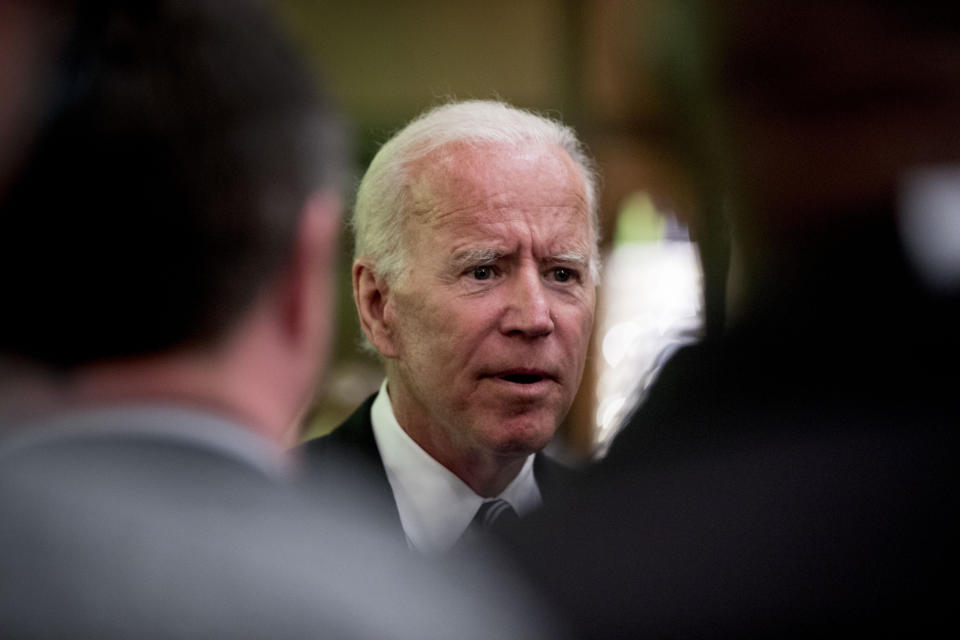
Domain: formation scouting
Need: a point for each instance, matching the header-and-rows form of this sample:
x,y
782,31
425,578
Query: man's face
x,y
492,317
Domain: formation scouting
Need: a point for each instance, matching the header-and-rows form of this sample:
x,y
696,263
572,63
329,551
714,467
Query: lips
x,y
523,376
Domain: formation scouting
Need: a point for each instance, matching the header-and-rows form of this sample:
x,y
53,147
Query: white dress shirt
x,y
435,505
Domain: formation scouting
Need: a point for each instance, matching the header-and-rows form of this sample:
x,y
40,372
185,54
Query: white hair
x,y
383,199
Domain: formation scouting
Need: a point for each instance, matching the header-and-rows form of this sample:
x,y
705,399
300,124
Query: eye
x,y
483,272
563,274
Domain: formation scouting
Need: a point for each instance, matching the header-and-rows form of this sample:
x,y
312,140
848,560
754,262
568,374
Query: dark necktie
x,y
492,514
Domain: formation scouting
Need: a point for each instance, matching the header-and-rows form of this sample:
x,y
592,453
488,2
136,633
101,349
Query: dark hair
x,y
165,182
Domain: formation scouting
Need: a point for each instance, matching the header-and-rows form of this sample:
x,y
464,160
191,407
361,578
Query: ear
x,y
371,295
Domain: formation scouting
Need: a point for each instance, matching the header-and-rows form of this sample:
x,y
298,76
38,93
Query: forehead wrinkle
x,y
478,252
453,193
437,218
500,237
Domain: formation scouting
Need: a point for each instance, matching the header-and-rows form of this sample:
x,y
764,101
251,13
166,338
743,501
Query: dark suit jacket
x,y
349,454
794,477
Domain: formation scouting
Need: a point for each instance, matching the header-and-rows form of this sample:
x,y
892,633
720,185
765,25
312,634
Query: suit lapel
x,y
348,456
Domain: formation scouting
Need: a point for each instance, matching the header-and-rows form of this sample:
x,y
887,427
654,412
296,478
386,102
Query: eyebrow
x,y
573,256
475,256
468,257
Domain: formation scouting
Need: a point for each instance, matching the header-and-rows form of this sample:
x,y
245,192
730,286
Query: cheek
x,y
430,333
445,334
409,320
579,323
587,329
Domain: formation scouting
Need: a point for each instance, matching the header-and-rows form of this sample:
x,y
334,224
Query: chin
x,y
524,440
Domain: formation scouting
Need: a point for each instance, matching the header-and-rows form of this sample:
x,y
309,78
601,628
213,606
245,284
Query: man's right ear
x,y
370,295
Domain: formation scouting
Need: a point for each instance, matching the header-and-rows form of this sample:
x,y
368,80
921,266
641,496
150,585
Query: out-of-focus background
x,y
590,63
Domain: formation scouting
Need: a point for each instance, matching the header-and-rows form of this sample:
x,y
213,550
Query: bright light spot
x,y
652,301
930,224
609,412
618,341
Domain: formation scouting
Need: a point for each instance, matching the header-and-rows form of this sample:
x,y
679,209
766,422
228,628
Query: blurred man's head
x,y
475,276
165,182
178,164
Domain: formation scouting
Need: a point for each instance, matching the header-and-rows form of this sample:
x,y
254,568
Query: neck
x,y
213,381
261,373
186,379
486,474
488,478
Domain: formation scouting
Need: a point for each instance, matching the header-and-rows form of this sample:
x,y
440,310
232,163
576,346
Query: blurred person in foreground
x,y
474,278
795,474
170,211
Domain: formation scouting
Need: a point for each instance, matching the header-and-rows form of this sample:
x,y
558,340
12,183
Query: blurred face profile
x,y
492,317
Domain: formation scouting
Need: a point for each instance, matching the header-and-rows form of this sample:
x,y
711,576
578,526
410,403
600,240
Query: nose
x,y
527,311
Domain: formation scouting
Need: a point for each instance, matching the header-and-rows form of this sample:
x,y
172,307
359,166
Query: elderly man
x,y
168,186
474,280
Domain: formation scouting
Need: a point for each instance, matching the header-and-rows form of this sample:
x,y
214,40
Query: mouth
x,y
524,376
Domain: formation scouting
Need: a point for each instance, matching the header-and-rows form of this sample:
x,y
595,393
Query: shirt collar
x,y
435,505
